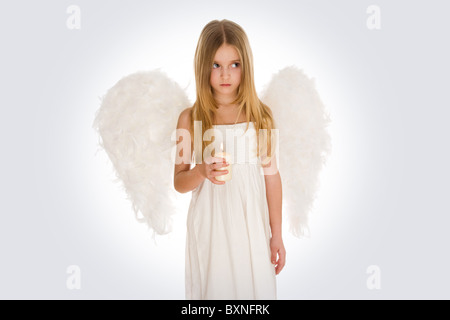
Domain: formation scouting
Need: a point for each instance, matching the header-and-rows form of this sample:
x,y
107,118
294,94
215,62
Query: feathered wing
x,y
135,122
304,142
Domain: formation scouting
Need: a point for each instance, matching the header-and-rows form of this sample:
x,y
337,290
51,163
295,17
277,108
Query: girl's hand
x,y
277,249
208,169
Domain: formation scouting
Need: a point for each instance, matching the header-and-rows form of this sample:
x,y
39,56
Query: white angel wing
x,y
304,142
135,121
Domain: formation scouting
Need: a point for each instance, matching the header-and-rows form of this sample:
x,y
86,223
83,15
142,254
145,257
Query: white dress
x,y
228,231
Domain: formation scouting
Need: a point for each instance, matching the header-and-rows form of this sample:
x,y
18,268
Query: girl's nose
x,y
224,72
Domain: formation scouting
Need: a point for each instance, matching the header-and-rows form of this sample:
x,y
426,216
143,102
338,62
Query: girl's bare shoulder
x,y
184,119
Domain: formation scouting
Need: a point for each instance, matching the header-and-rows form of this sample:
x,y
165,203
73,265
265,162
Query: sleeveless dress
x,y
228,230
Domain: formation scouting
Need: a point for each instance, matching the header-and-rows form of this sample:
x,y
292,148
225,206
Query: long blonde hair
x,y
215,34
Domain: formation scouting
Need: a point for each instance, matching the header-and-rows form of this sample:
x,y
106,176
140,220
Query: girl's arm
x,y
187,179
274,201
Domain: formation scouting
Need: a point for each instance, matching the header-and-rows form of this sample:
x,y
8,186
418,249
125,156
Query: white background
x,y
383,196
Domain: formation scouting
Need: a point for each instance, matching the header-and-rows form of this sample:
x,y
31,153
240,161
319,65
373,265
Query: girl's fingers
x,y
212,160
273,257
279,267
281,261
214,180
220,165
219,173
278,258
220,160
215,163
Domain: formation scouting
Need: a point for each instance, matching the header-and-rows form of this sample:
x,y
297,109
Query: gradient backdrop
x,y
383,199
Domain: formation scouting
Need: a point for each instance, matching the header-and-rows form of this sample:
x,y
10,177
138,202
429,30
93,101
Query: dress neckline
x,y
231,124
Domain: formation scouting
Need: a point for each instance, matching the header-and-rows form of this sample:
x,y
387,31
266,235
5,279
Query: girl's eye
x,y
215,65
235,65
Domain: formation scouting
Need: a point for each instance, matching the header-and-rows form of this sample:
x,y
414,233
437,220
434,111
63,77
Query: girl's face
x,y
226,72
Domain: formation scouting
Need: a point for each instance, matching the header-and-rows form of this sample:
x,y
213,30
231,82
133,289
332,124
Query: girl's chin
x,y
226,90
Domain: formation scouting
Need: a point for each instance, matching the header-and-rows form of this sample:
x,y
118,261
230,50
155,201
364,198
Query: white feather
x,y
135,121
304,142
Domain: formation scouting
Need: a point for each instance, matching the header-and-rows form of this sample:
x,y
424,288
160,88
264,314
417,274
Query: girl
x,y
234,244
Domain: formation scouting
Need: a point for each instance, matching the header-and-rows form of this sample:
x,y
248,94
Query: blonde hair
x,y
214,35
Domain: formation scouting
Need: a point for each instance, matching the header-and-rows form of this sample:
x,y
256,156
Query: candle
x,y
227,156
